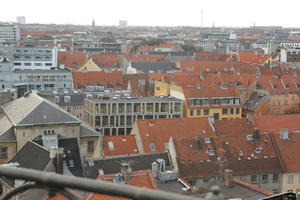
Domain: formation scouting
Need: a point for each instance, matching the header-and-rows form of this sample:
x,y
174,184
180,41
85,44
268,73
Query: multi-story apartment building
x,y
34,57
116,115
9,33
277,94
31,57
34,79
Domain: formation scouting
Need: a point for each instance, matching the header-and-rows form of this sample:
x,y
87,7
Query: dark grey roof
x,y
45,113
111,165
71,154
8,136
87,131
33,109
77,99
32,156
154,66
254,100
236,191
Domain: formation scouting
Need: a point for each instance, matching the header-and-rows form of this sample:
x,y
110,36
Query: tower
x,y
93,23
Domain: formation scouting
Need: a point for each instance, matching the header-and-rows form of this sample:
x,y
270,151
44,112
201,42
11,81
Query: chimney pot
x,y
228,178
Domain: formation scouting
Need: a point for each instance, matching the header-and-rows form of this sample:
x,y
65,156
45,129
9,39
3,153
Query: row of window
x,y
114,108
33,64
32,51
214,101
264,178
225,111
32,57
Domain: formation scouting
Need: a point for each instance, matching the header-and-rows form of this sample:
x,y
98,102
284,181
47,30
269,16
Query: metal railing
x,y
59,183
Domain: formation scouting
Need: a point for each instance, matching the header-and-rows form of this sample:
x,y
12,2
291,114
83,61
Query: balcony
x,y
56,183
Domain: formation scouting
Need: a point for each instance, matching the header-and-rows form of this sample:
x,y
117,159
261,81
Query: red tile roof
x,y
107,79
159,131
73,60
235,152
166,45
214,56
106,60
275,123
277,84
192,65
208,91
123,145
253,57
137,88
289,151
143,178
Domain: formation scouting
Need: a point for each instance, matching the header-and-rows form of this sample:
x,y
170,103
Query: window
x,y
206,111
191,112
90,145
224,111
253,179
198,112
249,137
207,140
290,179
3,152
275,178
67,99
231,110
264,178
157,88
111,145
275,191
71,163
27,64
237,111
56,99
152,147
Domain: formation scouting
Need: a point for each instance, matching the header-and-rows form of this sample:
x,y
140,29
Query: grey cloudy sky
x,y
240,13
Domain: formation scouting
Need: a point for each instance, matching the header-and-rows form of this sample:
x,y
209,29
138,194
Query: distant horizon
x,y
129,26
166,13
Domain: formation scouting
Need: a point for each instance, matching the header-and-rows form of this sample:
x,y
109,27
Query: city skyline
x,y
231,13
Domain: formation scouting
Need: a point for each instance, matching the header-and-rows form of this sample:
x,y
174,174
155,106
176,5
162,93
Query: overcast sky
x,y
240,13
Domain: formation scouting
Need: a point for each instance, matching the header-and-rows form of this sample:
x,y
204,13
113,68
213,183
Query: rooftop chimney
x,y
125,170
284,133
228,178
56,154
197,141
256,134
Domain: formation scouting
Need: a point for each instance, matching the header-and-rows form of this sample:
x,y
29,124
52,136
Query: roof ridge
x,y
15,123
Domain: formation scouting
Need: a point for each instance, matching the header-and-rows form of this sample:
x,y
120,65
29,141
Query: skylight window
x,y
111,145
211,152
249,137
152,147
207,140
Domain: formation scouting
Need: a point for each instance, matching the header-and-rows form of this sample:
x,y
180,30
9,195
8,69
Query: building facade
x,y
45,80
116,115
9,33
